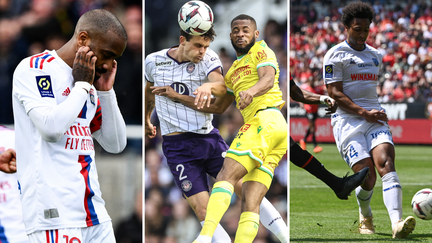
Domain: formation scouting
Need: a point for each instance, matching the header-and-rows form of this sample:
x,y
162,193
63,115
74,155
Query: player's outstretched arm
x,y
150,130
335,91
216,86
8,161
303,96
300,95
266,77
217,105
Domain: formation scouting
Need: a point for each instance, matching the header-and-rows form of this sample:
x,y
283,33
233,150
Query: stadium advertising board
x,y
410,123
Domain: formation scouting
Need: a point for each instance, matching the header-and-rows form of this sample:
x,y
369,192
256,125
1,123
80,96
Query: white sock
x,y
273,221
392,196
363,199
220,235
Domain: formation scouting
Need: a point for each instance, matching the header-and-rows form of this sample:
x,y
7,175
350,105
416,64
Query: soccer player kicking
x,y
62,99
192,146
342,187
360,126
260,143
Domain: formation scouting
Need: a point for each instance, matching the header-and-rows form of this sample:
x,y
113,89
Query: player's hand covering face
x,y
106,49
84,65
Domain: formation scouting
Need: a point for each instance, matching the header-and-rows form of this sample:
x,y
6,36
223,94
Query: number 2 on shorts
x,y
181,177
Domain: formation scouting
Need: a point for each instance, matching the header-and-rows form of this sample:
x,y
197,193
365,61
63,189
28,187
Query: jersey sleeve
x,y
149,69
108,126
33,87
34,90
265,56
212,62
230,88
332,68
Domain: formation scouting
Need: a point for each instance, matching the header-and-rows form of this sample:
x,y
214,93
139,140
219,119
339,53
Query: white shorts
x,y
355,137
99,233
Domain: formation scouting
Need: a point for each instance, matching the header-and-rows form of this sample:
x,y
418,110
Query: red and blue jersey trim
x,y
83,113
91,218
37,61
52,236
3,238
96,123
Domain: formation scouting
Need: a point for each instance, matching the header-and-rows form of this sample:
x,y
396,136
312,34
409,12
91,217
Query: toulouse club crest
x,y
186,185
190,67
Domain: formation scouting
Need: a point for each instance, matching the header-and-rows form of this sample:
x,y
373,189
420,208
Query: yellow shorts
x,y
260,144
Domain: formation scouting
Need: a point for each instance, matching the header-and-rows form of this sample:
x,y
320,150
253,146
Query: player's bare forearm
x,y
149,101
217,105
218,89
304,96
265,83
216,86
266,76
335,91
217,83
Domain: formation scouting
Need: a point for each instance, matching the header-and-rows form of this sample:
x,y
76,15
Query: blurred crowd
x,y
400,30
28,27
166,211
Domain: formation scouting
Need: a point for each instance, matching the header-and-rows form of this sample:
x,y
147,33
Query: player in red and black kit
x,y
311,114
342,187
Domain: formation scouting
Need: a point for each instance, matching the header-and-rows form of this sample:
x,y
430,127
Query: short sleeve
x,y
212,61
149,69
265,57
332,68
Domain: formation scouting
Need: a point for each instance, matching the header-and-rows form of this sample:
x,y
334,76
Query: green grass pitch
x,y
317,215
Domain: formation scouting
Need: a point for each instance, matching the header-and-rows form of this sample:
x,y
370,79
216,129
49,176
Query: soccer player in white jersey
x,y
360,126
62,99
192,146
11,221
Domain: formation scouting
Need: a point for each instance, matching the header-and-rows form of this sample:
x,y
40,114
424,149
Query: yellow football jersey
x,y
243,74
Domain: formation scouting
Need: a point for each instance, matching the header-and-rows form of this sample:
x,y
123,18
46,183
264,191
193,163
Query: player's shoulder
x,y
156,55
38,62
339,50
260,46
210,55
373,50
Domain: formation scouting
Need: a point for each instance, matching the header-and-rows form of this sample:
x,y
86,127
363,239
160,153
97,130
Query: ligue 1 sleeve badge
x,y
44,86
186,185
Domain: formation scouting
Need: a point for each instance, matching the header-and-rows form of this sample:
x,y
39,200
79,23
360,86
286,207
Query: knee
x,y
385,167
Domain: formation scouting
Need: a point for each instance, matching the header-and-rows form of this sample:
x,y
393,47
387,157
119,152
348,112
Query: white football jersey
x,y
58,180
358,70
11,221
185,78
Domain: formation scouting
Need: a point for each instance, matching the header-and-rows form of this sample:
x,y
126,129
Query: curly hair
x,y
357,10
210,34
